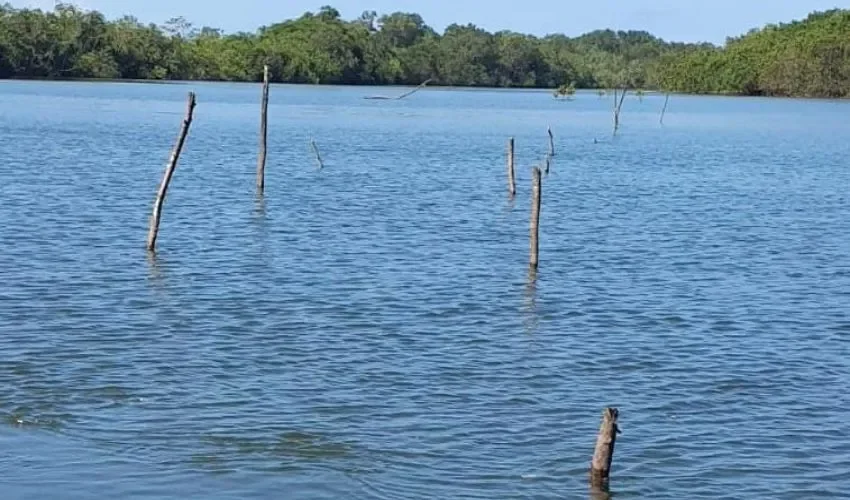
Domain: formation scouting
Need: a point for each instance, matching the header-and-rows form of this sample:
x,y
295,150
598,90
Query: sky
x,y
673,20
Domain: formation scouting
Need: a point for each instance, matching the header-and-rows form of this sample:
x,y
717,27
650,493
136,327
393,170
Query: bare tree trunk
x,y
551,142
603,455
264,132
417,89
153,230
402,96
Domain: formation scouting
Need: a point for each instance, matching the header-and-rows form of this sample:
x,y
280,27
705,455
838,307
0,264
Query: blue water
x,y
370,330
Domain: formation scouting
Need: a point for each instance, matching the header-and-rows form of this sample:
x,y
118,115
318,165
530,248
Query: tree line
x,y
803,58
809,57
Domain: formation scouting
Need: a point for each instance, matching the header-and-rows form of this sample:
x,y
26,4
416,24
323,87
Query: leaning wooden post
x,y
153,230
264,132
536,187
664,109
618,107
319,161
511,174
603,455
551,142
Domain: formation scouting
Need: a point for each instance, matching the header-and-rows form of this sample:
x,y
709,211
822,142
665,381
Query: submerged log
x,y
399,97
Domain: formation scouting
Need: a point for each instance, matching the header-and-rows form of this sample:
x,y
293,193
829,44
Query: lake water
x,y
370,330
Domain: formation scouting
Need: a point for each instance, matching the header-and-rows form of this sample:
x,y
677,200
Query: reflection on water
x,y
531,318
260,207
155,271
600,493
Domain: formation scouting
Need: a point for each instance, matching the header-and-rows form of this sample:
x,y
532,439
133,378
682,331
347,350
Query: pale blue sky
x,y
677,20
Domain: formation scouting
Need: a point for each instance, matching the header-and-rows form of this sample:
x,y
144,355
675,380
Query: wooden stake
x,y
603,455
664,110
264,132
511,174
536,188
618,106
551,142
319,161
547,162
153,230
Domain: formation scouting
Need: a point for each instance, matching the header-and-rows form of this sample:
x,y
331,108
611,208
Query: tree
x,y
403,30
328,13
467,56
519,62
368,19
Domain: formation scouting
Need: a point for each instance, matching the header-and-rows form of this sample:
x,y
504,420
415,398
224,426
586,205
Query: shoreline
x,y
467,88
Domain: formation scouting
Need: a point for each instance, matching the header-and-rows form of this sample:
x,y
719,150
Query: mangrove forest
x,y
809,57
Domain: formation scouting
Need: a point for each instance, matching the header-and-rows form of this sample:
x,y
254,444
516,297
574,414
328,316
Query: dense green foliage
x,y
803,58
320,47
806,58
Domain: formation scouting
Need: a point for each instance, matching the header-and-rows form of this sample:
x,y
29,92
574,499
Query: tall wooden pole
x,y
551,142
603,455
511,174
153,230
264,132
536,188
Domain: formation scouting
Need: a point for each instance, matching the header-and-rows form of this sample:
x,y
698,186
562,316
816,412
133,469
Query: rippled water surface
x,y
370,330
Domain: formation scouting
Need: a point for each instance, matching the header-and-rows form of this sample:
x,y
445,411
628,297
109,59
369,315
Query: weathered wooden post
x,y
603,455
536,188
319,161
264,132
664,109
511,174
618,106
153,230
551,142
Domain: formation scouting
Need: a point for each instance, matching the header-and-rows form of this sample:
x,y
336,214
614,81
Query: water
x,y
370,330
